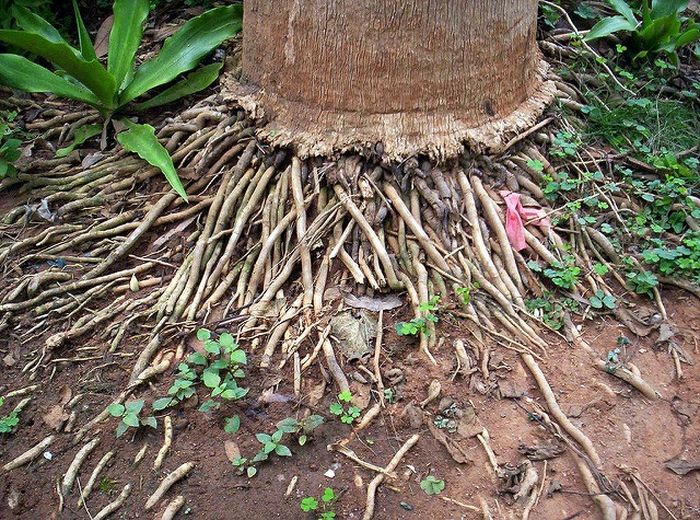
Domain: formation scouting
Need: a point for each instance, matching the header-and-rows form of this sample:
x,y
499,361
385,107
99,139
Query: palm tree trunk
x,y
412,75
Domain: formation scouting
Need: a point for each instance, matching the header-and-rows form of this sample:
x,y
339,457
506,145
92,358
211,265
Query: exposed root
x,y
377,481
72,471
168,433
178,474
114,505
87,490
29,455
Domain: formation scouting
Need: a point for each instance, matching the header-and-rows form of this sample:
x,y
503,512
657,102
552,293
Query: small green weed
x,y
420,325
106,485
601,300
9,422
432,486
130,416
273,443
9,145
220,368
550,310
347,414
311,505
465,293
564,273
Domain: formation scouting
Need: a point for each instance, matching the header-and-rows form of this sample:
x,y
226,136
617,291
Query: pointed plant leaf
x,y
130,419
161,404
184,49
194,82
116,409
125,37
232,424
608,26
625,10
34,23
142,140
90,73
82,134
86,48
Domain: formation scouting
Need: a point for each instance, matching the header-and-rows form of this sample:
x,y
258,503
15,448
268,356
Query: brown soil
x,y
658,431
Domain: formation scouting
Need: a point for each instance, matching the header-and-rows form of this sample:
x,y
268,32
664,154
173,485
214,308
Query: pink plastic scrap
x,y
515,213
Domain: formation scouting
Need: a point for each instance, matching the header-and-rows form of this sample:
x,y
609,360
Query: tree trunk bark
x,y
413,75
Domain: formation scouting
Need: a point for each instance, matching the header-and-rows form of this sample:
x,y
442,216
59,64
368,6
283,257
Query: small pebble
x,y
407,506
48,455
330,473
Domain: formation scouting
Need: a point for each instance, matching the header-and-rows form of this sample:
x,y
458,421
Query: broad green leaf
x,y
688,36
142,140
150,421
208,405
194,82
135,407
625,10
82,134
212,347
654,35
662,8
86,48
239,357
277,436
232,424
328,495
203,334
121,428
198,359
116,409
226,340
184,49
263,437
288,425
162,403
211,379
608,26
34,23
283,451
20,73
125,37
130,419
90,73
251,471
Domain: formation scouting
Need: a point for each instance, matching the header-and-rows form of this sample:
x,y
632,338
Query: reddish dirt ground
x,y
626,429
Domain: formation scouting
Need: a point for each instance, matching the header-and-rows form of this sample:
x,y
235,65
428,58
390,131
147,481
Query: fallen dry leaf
x,y
102,37
55,417
65,394
682,467
232,450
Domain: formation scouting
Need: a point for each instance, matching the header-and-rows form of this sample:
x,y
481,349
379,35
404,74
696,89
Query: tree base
x,y
313,132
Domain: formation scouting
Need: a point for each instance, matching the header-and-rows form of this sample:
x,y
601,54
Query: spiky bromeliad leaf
x,y
142,140
125,37
194,82
90,73
184,49
20,73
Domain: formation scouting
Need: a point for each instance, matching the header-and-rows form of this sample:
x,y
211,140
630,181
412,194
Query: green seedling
x,y
130,416
465,293
323,508
218,370
347,414
9,422
301,429
432,486
563,273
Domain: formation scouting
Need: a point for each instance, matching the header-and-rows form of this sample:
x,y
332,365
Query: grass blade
x,y
142,140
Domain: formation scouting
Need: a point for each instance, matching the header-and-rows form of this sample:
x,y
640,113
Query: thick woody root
x,y
268,240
